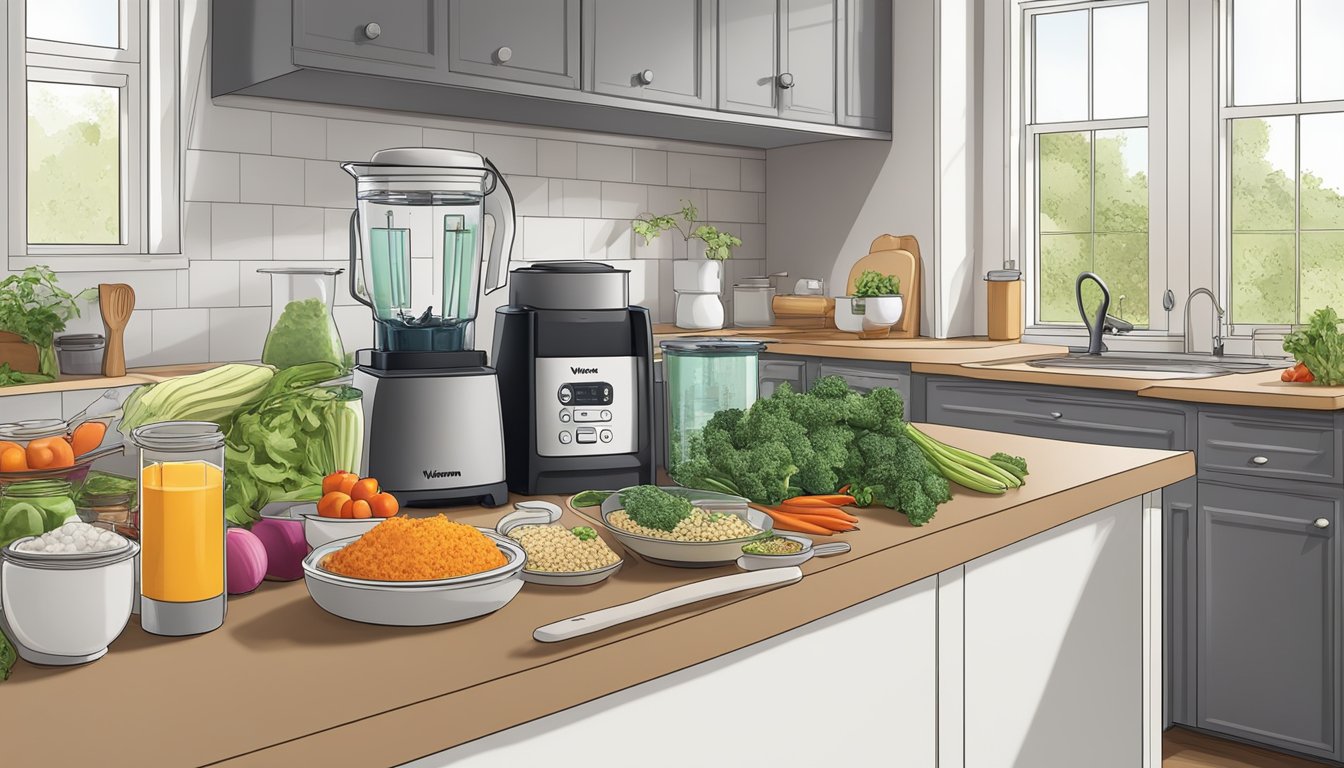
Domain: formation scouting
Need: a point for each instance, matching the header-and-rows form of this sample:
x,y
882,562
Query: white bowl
x,y
689,554
319,530
63,609
415,603
882,311
546,513
849,314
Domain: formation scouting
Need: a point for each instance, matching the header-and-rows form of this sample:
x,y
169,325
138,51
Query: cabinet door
x,y
398,38
518,40
772,372
865,64
807,58
667,43
748,56
1268,618
1179,537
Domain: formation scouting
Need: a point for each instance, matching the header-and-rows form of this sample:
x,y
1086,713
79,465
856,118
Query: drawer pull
x,y
1260,461
1321,522
504,54
1056,415
645,77
372,30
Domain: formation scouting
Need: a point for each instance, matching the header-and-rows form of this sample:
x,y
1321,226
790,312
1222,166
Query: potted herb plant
x,y
698,282
879,297
33,309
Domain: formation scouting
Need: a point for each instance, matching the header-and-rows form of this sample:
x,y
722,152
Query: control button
x,y
566,395
586,435
589,414
564,416
606,393
605,435
565,438
606,415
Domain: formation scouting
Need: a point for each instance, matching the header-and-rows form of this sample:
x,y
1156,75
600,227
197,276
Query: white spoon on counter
x,y
666,600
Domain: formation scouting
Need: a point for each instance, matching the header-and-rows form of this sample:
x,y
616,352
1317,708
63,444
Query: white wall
x,y
263,187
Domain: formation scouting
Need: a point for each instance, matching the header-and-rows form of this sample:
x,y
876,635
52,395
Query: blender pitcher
x,y
422,219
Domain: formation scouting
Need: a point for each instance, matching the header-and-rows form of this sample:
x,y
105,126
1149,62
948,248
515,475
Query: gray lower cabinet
x,y
864,62
1268,615
865,376
657,50
518,40
396,38
776,370
1180,534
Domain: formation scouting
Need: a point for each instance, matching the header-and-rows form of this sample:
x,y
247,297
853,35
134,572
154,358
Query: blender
x,y
432,427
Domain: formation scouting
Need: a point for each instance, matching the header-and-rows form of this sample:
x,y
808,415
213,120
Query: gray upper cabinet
x,y
518,40
749,56
807,60
658,50
865,64
1268,618
394,38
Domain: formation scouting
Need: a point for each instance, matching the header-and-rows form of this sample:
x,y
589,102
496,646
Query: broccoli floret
x,y
881,410
831,387
896,473
917,506
830,454
583,533
652,507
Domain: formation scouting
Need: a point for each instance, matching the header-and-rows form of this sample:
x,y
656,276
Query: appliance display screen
x,y
591,393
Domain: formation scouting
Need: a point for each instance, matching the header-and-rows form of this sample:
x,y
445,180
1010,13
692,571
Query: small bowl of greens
x,y
683,527
785,549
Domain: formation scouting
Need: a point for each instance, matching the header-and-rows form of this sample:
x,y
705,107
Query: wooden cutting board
x,y
899,256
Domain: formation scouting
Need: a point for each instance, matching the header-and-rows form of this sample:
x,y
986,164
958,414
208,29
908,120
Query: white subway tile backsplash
x,y
155,289
703,171
139,338
231,130
668,245
336,234
733,206
665,200
667,300
240,232
298,233
211,176
650,166
298,136
552,239
624,201
752,237
643,281
604,162
238,334
557,159
214,284
435,137
510,154
531,195
254,288
753,175
571,197
352,140
267,179
180,336
325,185
608,240
45,405
355,325
196,230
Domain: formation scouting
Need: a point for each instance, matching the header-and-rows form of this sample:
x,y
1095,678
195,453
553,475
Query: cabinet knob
x,y
645,77
785,80
1056,415
503,54
1259,460
1321,522
372,30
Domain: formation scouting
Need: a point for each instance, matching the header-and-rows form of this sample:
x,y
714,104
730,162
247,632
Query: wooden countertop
x,y
284,683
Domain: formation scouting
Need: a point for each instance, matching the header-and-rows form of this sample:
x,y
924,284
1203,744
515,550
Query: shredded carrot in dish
x,y
411,549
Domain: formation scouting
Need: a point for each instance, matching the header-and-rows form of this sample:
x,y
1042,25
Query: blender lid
x,y
428,156
712,346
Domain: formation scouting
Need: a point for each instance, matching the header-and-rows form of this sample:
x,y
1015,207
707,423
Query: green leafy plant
x,y
872,283
719,245
1320,346
34,307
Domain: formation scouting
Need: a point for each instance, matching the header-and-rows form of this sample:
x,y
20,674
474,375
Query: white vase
x,y
881,312
700,275
849,314
699,311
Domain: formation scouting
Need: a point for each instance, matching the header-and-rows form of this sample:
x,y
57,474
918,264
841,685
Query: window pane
x,y
1264,283
1122,181
1323,171
1263,186
1062,258
1264,52
85,22
1065,178
74,159
1060,66
1322,272
1122,261
1120,61
1322,53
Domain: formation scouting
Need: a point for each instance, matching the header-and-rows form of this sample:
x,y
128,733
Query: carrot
x,y
831,500
844,488
784,522
87,436
829,523
834,513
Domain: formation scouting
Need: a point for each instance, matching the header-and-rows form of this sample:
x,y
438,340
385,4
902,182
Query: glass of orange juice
x,y
181,527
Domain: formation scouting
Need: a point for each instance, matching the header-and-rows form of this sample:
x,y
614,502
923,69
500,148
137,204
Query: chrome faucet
x,y
1103,321
1217,325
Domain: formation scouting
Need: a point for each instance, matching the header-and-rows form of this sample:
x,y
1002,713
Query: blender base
x,y
489,495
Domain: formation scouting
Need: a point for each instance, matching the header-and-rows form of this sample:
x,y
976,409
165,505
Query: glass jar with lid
x,y
34,507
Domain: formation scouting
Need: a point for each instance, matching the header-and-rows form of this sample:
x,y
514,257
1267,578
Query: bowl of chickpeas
x,y
557,555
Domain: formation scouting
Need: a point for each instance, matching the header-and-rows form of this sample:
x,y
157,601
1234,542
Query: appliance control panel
x,y
587,406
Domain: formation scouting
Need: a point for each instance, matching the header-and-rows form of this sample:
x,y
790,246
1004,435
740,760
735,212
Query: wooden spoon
x,y
116,301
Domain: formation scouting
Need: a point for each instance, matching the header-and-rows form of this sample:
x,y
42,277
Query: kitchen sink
x,y
1191,366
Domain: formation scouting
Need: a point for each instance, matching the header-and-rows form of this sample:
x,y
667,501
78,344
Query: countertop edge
x,y
428,726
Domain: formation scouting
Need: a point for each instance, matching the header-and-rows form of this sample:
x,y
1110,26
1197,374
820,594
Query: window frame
x,y
1024,236
1227,112
148,68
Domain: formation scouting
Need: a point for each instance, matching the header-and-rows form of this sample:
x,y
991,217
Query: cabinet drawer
x,y
401,38
774,372
1285,445
1058,414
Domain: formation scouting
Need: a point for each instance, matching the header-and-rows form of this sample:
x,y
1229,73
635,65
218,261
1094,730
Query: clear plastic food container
x,y
705,376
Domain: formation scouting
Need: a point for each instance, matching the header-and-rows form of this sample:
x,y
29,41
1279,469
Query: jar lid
x,y
67,561
77,342
33,429
178,436
754,281
710,346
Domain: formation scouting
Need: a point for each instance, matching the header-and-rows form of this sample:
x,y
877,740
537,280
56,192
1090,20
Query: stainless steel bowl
x,y
690,554
415,603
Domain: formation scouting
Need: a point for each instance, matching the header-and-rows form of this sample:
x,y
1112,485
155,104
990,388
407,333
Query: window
x,y
98,176
1086,155
1283,136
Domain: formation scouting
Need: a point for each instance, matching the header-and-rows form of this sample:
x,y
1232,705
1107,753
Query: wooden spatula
x,y
116,301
